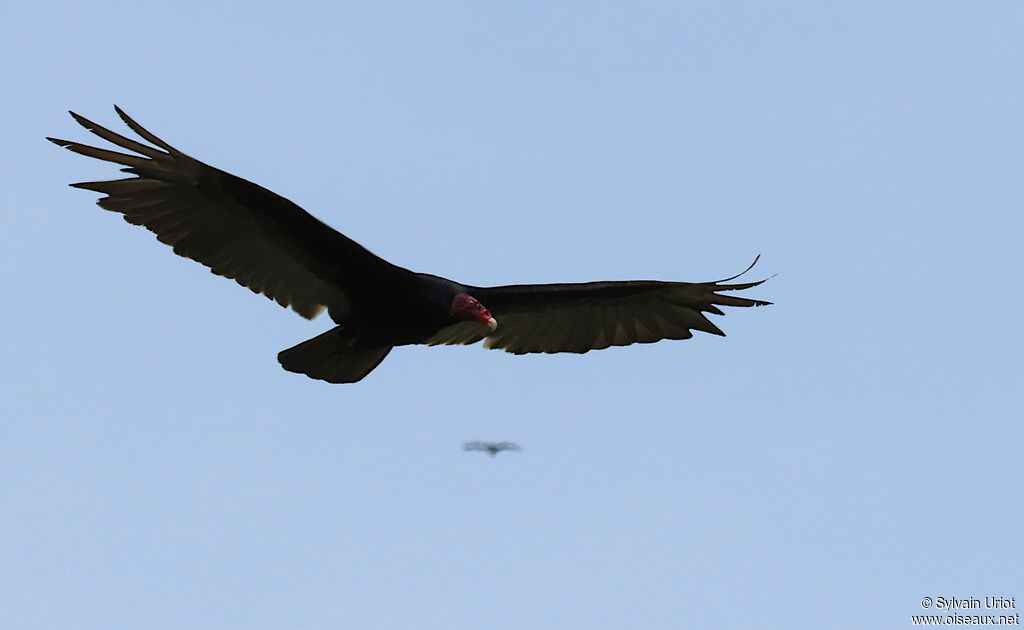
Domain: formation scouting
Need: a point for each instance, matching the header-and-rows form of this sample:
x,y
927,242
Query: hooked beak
x,y
492,323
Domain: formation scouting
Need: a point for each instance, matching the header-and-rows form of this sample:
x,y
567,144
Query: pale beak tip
x,y
492,324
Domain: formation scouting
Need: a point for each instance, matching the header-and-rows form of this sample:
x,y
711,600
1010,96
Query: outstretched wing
x,y
235,227
595,315
492,448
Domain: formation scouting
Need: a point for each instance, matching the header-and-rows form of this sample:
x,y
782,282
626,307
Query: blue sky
x,y
838,457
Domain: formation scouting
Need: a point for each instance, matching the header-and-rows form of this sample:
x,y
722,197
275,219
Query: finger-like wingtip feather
x,y
88,124
146,135
112,137
82,120
749,267
734,301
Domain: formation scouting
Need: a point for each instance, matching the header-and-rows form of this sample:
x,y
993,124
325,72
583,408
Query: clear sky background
x,y
838,457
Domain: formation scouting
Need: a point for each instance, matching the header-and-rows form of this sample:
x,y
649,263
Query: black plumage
x,y
272,246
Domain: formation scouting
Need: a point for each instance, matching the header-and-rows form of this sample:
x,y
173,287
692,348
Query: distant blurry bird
x,y
492,448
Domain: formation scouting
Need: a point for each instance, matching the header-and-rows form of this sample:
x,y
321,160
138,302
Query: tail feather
x,y
333,357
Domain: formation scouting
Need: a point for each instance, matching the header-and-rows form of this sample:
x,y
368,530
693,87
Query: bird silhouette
x,y
491,448
268,244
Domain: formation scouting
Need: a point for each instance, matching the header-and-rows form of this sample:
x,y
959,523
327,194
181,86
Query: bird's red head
x,y
468,308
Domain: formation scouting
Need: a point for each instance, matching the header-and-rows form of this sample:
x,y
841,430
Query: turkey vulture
x,y
272,246
492,448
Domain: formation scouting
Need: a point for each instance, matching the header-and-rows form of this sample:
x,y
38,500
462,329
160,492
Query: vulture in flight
x,y
492,448
270,245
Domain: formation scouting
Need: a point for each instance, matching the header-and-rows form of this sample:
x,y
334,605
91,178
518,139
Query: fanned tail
x,y
332,356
